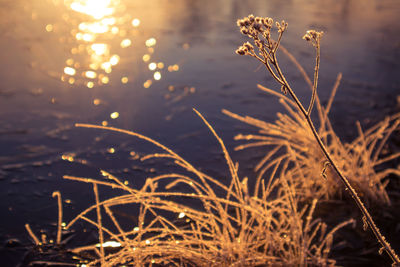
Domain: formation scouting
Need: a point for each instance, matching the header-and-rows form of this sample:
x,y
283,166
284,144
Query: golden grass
x,y
290,140
230,228
258,30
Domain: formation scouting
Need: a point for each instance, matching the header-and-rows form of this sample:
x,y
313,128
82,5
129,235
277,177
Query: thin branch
x,y
315,84
60,215
99,222
33,236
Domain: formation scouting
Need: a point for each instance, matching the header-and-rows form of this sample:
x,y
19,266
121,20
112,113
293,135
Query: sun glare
x,y
99,49
102,32
69,71
98,9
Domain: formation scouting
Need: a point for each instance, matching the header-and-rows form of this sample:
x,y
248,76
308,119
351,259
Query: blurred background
x,y
143,66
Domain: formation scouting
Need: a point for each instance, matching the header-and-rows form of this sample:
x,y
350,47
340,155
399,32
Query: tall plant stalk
x,y
259,30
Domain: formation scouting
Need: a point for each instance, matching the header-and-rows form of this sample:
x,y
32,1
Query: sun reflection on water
x,y
106,43
102,33
96,8
92,55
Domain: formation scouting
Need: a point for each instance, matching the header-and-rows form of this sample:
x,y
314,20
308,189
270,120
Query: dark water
x,y
60,66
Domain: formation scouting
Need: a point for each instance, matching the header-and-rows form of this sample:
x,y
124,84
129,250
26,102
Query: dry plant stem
x,y
58,195
179,160
101,238
348,186
316,70
33,236
50,263
236,229
254,27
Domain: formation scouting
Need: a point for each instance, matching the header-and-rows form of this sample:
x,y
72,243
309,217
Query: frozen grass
x,y
258,30
230,228
290,139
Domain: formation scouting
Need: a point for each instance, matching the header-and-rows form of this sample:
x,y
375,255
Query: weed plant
x,y
292,141
258,29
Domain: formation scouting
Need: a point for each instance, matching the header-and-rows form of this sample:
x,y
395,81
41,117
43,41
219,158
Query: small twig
x,y
60,215
50,263
323,173
316,70
99,221
33,236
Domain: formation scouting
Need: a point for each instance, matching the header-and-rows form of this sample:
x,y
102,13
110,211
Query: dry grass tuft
x,y
292,141
230,228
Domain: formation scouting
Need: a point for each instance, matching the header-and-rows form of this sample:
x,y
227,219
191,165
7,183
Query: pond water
x,y
143,66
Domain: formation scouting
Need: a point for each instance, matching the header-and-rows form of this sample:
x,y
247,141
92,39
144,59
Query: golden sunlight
x,y
101,33
125,43
100,49
69,71
151,42
152,66
96,8
157,75
111,244
135,22
94,39
114,115
91,74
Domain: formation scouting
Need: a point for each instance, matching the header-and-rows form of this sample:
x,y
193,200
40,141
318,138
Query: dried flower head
x,y
259,30
240,51
281,26
313,36
246,49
